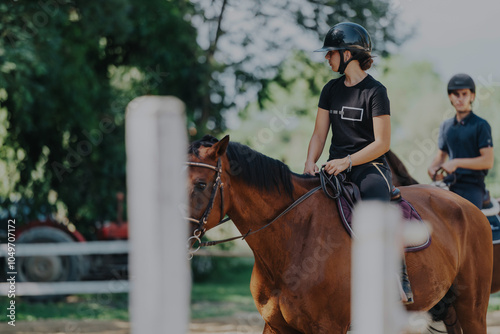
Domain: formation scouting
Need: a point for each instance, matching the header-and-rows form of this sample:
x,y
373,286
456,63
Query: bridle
x,y
200,230
202,222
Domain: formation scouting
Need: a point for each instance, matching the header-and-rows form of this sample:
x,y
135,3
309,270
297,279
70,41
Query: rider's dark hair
x,y
364,58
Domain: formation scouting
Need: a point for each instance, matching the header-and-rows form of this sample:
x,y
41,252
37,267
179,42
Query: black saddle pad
x,y
495,228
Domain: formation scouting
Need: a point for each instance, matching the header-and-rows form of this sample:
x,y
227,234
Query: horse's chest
x,y
302,299
278,307
285,307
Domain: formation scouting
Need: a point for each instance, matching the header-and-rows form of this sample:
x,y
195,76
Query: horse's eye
x,y
200,185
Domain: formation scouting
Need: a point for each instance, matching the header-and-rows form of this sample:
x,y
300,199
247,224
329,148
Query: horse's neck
x,y
252,209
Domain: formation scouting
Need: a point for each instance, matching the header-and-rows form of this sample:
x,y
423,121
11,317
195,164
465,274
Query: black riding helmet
x,y
461,81
346,36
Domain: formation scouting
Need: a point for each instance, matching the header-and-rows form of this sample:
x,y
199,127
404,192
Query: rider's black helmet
x,y
347,36
461,81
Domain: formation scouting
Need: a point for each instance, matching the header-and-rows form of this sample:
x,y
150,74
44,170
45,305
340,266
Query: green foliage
x,y
97,306
223,292
253,39
221,269
68,68
67,71
486,105
419,104
224,289
494,304
210,300
282,127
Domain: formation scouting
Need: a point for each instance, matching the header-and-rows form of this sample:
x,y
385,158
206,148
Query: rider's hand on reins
x,y
311,168
439,175
336,166
450,166
447,168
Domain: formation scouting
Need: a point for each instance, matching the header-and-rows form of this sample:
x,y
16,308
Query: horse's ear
x,y
221,146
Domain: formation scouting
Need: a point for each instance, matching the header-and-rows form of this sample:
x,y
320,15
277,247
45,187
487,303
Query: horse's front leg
x,y
269,330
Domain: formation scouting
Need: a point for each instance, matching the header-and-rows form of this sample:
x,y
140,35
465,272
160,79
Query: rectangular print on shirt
x,y
352,114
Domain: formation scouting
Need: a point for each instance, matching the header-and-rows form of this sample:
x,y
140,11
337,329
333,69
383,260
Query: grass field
x,y
221,291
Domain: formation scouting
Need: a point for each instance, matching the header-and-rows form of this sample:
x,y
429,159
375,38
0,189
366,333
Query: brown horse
x,y
301,276
401,177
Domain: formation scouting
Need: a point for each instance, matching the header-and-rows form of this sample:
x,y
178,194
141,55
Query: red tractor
x,y
52,268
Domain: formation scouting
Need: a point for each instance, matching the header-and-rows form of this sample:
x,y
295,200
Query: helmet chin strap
x,y
343,64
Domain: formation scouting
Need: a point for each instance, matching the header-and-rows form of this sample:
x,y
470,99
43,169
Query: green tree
x,y
253,38
68,68
67,71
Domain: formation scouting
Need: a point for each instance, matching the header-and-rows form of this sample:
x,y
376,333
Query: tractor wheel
x,y
48,268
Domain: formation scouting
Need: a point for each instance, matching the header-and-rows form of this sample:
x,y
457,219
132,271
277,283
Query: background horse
x,y
301,276
401,177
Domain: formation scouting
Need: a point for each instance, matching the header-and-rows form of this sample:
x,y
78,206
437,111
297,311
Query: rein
x,y
198,233
447,180
326,181
250,232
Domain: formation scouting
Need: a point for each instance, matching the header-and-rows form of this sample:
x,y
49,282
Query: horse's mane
x,y
255,168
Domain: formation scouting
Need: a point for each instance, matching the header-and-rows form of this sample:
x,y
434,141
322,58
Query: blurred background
x,y
68,68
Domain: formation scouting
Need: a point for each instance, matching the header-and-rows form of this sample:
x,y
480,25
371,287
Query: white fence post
x,y
156,143
376,264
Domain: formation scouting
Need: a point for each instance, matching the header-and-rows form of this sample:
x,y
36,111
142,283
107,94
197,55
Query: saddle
x,y
491,210
346,194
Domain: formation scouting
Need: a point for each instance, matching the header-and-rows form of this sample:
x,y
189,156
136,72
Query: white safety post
x,y
376,266
156,142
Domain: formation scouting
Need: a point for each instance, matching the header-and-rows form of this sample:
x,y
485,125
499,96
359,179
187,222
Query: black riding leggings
x,y
471,191
374,180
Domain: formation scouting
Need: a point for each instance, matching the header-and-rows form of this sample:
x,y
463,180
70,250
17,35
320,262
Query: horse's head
x,y
206,158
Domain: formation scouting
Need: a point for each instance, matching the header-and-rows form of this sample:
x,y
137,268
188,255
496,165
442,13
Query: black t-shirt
x,y
464,139
351,113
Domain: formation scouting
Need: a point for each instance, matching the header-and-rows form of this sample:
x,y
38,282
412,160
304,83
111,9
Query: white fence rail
x,y
68,248
65,249
82,248
64,288
100,247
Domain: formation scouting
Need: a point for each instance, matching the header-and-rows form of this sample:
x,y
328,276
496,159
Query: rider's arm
x,y
381,144
318,140
436,164
482,162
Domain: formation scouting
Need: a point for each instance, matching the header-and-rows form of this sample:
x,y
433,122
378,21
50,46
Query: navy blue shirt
x,y
464,139
351,113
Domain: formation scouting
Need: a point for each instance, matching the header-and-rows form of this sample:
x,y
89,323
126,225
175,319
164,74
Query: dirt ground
x,y
244,323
